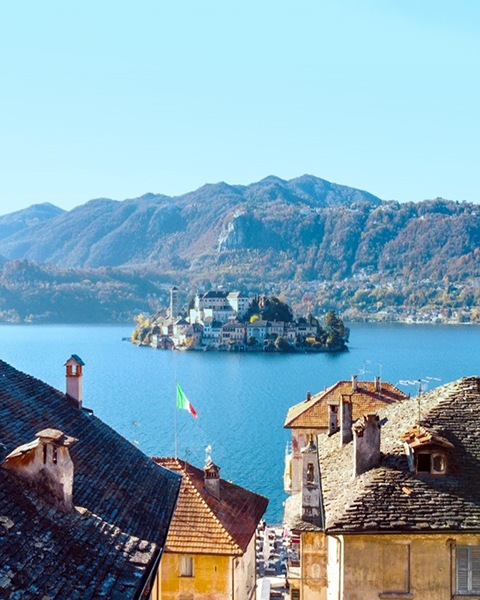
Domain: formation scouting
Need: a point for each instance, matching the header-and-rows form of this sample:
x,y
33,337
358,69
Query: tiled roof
x,y
313,413
390,497
104,549
204,524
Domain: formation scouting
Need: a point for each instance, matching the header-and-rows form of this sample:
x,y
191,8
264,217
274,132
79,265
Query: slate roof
x,y
392,499
313,413
202,523
107,546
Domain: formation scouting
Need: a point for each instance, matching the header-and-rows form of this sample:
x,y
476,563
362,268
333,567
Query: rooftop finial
x,y
208,454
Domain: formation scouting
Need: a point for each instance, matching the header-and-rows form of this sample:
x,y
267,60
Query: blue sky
x,y
115,99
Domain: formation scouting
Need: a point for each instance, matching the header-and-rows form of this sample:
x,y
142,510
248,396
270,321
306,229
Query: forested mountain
x,y
305,234
22,219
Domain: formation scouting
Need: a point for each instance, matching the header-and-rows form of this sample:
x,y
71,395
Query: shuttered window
x,y
468,569
186,566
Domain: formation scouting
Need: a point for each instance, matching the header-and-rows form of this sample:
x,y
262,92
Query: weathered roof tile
x,y
124,498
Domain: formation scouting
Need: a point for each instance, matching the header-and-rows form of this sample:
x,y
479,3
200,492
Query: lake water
x,y
241,399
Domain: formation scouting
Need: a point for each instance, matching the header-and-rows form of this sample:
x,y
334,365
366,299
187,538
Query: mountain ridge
x,y
305,229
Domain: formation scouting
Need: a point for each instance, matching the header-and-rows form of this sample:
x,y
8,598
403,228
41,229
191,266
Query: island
x,y
236,322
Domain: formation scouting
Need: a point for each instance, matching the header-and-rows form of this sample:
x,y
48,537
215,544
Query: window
x,y
395,569
310,473
186,566
438,463
433,463
468,570
295,594
54,455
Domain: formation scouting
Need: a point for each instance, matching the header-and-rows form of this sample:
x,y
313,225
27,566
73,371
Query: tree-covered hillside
x,y
324,245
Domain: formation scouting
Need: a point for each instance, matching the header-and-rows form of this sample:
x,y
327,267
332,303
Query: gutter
x,y
340,565
150,575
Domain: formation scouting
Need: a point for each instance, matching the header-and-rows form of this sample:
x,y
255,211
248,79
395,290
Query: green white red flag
x,y
184,402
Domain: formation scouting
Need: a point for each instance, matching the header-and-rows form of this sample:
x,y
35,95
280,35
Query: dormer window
x,y
427,452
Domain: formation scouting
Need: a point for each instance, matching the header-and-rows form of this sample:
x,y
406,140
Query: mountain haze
x,y
274,230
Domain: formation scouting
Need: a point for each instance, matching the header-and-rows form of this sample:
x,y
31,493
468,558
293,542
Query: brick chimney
x,y
74,379
345,418
366,444
46,465
212,479
310,484
378,384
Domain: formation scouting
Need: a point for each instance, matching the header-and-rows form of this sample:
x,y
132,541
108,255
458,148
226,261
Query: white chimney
x,y
354,383
74,379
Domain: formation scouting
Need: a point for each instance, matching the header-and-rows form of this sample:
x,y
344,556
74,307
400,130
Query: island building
x,y
389,506
210,548
83,512
173,308
324,412
219,305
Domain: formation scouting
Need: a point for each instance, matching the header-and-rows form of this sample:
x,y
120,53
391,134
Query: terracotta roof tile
x,y
313,412
204,524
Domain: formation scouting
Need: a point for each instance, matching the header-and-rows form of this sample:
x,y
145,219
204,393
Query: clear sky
x,y
116,99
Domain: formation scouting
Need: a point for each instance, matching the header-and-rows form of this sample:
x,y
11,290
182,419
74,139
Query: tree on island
x,y
336,334
269,309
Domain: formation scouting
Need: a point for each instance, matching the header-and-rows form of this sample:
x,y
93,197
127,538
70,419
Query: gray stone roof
x,y
390,497
108,546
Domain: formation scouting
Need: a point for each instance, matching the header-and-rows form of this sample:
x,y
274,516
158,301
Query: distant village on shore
x,y
233,321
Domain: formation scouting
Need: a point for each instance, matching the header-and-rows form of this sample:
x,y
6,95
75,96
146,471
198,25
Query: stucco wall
x,y
245,573
212,578
419,566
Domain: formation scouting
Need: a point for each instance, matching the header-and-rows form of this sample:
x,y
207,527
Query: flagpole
x,y
176,433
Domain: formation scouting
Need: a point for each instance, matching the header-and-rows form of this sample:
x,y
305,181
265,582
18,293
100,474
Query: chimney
x,y
309,395
354,384
74,379
345,420
366,444
212,479
310,484
378,385
332,418
45,464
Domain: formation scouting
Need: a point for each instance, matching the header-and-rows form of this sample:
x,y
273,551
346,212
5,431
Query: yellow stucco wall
x,y
369,567
418,566
212,578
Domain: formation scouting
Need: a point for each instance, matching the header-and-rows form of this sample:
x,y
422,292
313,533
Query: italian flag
x,y
183,402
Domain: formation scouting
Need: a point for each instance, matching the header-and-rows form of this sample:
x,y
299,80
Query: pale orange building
x,y
210,548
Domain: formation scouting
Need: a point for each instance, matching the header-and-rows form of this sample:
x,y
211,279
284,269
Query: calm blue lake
x,y
241,399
